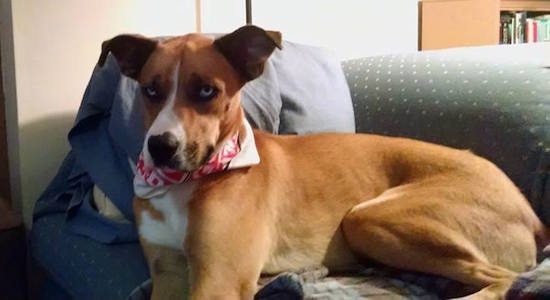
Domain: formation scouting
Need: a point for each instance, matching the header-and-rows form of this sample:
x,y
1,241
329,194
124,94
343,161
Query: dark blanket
x,y
377,283
532,285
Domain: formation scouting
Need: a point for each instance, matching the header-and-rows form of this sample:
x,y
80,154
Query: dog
x,y
218,203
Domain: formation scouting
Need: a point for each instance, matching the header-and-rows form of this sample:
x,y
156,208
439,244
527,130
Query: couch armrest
x,y
493,100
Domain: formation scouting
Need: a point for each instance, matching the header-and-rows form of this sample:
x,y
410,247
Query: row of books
x,y
519,27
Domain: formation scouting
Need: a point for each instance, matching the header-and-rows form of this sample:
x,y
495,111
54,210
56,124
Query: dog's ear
x,y
131,52
247,49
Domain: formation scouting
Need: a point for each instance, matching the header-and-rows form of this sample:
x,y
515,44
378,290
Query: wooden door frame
x,y
8,217
9,136
5,190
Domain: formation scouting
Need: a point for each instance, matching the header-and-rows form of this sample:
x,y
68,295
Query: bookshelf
x,y
524,21
525,5
456,23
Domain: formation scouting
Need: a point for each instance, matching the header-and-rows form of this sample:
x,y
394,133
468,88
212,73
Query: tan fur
x,y
331,199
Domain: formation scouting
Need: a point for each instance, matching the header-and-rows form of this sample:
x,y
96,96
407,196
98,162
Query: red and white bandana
x,y
150,181
166,176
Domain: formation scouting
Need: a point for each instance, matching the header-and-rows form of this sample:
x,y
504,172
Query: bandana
x,y
165,176
151,181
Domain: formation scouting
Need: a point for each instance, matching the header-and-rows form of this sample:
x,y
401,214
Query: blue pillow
x,y
302,90
262,102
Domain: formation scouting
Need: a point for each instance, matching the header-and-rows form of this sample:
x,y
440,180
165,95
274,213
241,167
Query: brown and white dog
x,y
291,202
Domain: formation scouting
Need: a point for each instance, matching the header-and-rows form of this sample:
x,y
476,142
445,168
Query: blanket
x,y
534,284
378,283
362,283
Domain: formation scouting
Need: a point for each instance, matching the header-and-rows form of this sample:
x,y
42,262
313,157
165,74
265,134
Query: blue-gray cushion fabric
x,y
262,100
314,92
302,90
82,267
494,100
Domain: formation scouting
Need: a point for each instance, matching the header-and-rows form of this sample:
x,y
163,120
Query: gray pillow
x,y
303,90
261,100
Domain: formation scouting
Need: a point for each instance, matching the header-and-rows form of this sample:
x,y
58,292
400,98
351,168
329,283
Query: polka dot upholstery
x,y
492,100
82,267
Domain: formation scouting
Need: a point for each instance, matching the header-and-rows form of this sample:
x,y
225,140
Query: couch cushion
x,y
314,92
261,99
84,268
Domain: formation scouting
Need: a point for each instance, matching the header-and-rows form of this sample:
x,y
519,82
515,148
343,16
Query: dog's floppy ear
x,y
131,52
247,49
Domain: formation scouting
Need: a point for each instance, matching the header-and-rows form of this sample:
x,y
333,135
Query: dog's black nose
x,y
162,148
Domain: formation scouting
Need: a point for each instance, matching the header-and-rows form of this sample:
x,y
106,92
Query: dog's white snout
x,y
162,148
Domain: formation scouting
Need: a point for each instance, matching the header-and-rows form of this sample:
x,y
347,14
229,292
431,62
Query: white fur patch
x,y
172,230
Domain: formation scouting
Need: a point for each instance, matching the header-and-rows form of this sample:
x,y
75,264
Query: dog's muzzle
x,y
162,148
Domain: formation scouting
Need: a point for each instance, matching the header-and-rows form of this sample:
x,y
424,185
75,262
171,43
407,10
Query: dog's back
x,y
305,185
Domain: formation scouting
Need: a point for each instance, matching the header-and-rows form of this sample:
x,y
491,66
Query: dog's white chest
x,y
171,229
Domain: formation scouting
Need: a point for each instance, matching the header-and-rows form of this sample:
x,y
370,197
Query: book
x,y
520,27
530,30
543,27
505,29
524,27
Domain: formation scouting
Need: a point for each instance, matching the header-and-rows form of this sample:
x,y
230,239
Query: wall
x,y
352,28
56,44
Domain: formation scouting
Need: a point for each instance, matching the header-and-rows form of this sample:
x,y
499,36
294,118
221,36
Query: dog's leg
x,y
226,248
169,272
412,234
224,270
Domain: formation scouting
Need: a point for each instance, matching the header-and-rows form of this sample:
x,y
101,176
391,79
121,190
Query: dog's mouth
x,y
174,164
193,154
192,157
167,151
188,159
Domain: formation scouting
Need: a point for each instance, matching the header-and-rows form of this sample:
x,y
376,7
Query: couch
x,y
493,100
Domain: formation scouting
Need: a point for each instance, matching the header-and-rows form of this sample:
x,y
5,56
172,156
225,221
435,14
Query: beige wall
x,y
55,43
352,28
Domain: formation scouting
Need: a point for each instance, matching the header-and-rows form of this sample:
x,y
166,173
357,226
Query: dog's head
x,y
190,88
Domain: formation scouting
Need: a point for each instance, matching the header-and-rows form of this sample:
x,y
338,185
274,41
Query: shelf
x,y
459,23
526,5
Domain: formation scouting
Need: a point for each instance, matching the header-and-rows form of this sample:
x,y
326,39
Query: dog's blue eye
x,y
207,92
150,91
